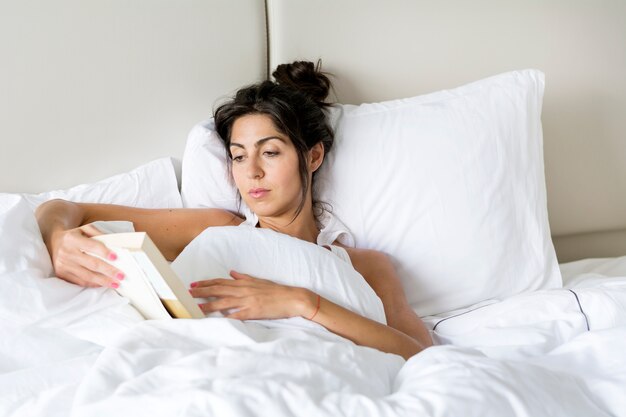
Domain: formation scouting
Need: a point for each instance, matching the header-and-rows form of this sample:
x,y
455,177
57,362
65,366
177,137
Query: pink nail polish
x,y
112,256
120,276
193,284
115,285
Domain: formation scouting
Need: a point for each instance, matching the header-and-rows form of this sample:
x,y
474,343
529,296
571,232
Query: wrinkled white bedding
x,y
66,351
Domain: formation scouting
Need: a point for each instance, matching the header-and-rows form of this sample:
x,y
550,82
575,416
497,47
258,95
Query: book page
x,y
153,276
137,288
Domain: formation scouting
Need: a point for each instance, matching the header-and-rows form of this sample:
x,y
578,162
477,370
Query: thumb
x,y
237,275
96,248
90,230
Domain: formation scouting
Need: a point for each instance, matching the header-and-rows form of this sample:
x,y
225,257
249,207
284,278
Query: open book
x,y
150,284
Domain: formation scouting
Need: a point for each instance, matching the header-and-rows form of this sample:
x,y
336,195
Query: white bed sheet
x,y
67,351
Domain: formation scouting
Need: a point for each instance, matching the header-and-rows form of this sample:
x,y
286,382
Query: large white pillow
x,y
450,184
281,258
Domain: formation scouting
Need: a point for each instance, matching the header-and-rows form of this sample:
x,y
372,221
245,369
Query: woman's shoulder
x,y
366,261
359,252
228,217
211,217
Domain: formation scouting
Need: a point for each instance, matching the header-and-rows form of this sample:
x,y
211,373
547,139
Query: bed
x,y
497,191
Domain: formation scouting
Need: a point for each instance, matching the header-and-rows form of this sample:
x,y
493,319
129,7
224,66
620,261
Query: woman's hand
x,y
254,298
69,253
250,298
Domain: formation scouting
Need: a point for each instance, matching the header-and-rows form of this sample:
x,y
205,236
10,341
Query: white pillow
x,y
450,184
21,245
152,185
205,180
21,248
267,254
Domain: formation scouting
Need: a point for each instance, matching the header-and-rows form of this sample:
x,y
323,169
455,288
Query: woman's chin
x,y
265,210
262,212
259,208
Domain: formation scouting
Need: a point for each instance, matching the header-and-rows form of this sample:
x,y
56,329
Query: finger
x,y
77,263
96,279
86,278
90,230
210,282
219,305
215,291
239,276
241,314
99,266
97,248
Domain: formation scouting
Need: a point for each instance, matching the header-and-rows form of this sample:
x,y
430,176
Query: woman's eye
x,y
238,158
270,153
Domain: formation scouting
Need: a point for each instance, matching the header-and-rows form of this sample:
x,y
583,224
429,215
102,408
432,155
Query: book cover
x,y
150,284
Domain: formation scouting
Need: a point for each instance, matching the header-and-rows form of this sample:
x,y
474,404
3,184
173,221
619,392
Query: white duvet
x,y
66,351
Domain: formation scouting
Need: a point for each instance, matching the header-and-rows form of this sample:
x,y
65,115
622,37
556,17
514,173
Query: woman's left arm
x,y
255,298
381,275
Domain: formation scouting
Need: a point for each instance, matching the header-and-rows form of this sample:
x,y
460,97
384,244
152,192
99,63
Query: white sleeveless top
x,y
332,230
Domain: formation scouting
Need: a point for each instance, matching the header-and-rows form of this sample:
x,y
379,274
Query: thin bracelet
x,y
319,301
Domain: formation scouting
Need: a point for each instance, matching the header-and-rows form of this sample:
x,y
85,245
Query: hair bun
x,y
306,77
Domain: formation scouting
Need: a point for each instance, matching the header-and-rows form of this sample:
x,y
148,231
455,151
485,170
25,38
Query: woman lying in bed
x,y
276,135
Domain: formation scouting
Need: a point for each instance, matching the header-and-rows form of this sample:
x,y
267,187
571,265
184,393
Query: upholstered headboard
x,y
93,88
410,47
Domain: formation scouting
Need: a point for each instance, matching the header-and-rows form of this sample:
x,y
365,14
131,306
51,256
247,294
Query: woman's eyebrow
x,y
259,142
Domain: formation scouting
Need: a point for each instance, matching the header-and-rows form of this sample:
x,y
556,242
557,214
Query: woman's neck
x,y
302,227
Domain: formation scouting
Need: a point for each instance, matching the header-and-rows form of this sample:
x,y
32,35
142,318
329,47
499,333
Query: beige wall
x,y
93,88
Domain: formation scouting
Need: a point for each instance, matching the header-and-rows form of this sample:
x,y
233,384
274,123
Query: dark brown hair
x,y
295,102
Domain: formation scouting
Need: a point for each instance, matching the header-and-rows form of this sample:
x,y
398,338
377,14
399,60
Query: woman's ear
x,y
316,156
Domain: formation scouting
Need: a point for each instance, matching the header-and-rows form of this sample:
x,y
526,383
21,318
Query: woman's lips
x,y
258,192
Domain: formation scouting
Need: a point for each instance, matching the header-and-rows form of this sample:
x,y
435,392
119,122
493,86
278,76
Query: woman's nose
x,y
254,169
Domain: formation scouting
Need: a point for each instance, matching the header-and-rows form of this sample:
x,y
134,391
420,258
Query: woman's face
x,y
265,167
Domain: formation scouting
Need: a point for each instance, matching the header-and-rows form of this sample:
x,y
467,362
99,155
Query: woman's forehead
x,y
254,129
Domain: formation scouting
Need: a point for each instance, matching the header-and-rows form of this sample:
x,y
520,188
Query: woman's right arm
x,y
66,232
